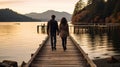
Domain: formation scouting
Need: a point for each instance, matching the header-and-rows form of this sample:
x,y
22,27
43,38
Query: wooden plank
x,y
59,63
72,57
59,55
38,50
58,58
90,62
38,65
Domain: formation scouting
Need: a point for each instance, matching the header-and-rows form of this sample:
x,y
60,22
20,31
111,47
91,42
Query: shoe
x,y
55,48
65,48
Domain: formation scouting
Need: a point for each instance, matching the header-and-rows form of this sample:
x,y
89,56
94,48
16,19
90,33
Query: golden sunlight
x,y
38,5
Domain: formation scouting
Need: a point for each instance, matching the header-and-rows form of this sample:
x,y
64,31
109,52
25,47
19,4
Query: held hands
x,y
57,33
48,33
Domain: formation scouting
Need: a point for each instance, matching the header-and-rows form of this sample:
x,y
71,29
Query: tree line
x,y
97,11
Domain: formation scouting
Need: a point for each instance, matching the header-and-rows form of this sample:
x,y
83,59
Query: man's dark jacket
x,y
52,27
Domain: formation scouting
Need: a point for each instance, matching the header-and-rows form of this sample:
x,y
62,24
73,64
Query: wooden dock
x,y
74,56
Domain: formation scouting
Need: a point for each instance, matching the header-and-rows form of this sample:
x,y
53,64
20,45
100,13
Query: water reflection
x,y
7,29
114,38
18,40
102,44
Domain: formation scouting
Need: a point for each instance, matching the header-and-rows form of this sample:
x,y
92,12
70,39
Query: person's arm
x,y
48,28
68,29
57,28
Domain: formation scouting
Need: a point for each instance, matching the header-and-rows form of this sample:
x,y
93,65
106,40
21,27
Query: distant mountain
x,y
45,16
8,15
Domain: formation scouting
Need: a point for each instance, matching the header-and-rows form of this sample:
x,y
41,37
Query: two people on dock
x,y
53,29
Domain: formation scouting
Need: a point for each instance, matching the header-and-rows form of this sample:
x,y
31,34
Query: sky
x,y
39,6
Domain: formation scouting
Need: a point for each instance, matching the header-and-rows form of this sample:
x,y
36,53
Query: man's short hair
x,y
53,16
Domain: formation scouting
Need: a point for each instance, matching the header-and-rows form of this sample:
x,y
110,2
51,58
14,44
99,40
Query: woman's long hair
x,y
63,21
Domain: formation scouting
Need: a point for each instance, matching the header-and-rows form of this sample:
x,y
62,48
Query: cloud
x,y
5,2
25,6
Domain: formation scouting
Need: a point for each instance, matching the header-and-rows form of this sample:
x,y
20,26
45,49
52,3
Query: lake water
x,y
19,39
99,45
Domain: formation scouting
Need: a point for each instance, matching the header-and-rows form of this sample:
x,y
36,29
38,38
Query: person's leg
x,y
62,42
51,42
54,41
65,42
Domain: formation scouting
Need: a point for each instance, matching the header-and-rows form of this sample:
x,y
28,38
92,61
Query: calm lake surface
x,y
19,39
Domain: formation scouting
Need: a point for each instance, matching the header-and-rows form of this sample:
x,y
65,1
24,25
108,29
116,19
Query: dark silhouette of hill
x,y
8,15
97,11
45,16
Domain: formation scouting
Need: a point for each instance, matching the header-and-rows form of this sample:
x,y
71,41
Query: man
x,y
52,29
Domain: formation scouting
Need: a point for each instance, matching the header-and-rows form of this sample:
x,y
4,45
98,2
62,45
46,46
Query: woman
x,y
64,32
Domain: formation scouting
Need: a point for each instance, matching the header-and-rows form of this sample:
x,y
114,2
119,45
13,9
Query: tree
x,y
91,2
117,7
104,9
109,7
79,6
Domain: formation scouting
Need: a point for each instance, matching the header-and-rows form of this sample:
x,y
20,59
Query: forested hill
x,y
8,15
97,11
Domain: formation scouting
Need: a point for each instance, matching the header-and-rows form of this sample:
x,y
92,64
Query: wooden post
x,y
74,29
77,29
37,28
43,28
